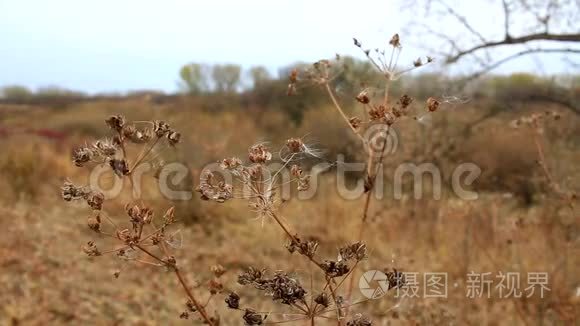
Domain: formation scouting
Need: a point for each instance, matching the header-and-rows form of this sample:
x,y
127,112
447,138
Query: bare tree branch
x,y
516,55
515,40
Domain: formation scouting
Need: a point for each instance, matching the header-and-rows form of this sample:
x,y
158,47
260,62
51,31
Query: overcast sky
x,y
121,45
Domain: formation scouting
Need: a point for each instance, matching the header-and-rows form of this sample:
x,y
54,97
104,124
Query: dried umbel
x,y
146,241
116,122
210,189
432,104
356,251
322,299
82,155
306,248
233,301
281,287
295,145
259,153
379,110
359,320
252,318
335,268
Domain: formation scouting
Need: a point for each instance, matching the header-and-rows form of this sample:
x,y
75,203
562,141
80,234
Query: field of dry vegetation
x,y
519,223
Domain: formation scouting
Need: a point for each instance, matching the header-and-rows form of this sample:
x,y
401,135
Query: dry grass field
x,y
517,224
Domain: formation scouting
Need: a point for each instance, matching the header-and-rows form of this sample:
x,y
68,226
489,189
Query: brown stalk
x,y
183,283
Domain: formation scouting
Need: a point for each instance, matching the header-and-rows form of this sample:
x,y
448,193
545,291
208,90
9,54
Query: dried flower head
x,y
173,137
91,249
233,300
231,163
395,41
95,200
94,223
322,299
259,153
335,268
119,166
355,122
363,97
377,112
295,145
71,192
307,248
105,148
252,318
161,128
82,155
212,190
432,104
359,320
357,251
251,276
116,122
405,101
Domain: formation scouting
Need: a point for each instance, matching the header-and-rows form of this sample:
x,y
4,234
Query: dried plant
x,y
383,112
142,237
257,182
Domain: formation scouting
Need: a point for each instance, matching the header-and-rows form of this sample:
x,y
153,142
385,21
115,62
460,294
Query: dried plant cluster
x,y
142,237
147,239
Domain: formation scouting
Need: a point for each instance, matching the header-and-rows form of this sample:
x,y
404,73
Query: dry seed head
x,y
377,112
252,318
359,320
94,223
233,300
335,268
405,101
71,192
355,122
395,41
119,167
418,62
322,299
137,136
432,104
82,155
259,153
363,97
356,251
91,249
251,275
296,171
161,128
295,145
169,216
307,248
105,148
231,163
95,200
116,122
390,118
210,190
173,137
124,235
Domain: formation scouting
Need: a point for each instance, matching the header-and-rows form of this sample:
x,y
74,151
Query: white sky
x,y
120,45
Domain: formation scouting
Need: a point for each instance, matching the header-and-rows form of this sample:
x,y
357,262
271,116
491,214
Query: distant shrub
x,y
16,92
